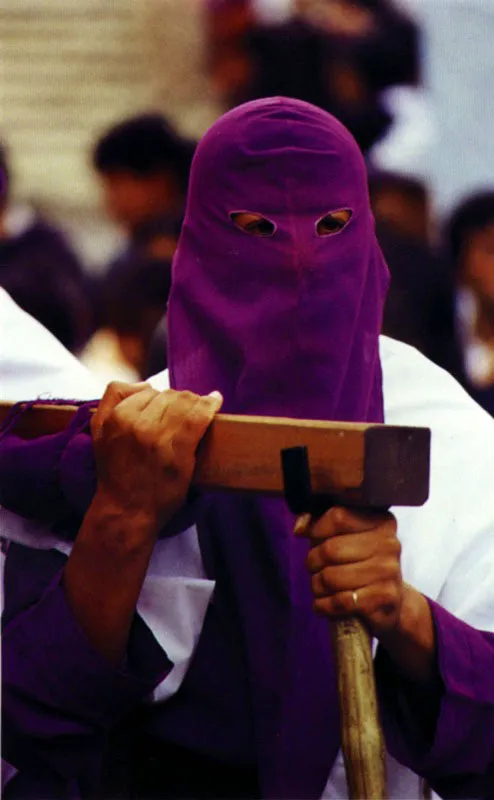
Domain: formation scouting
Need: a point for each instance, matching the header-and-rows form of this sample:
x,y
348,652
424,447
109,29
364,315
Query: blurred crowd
x,y
342,55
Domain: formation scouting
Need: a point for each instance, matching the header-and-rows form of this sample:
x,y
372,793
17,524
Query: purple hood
x,y
288,324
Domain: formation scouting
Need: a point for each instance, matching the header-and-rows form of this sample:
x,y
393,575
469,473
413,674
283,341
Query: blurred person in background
x,y
132,305
419,308
455,109
402,203
39,269
336,54
471,243
143,165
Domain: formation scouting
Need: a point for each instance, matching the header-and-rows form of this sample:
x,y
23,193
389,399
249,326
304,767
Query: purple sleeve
x,y
60,696
445,733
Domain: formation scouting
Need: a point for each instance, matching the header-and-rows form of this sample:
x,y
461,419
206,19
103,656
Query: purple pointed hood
x,y
286,325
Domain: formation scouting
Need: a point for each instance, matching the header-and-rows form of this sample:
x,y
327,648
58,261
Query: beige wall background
x,y
69,69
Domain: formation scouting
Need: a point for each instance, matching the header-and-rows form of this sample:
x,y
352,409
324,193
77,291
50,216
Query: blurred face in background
x,y
406,214
132,200
478,263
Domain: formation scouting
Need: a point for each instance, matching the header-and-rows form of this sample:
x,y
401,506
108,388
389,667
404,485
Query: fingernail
x,y
301,524
217,395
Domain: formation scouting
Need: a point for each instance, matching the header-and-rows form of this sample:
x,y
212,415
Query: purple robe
x,y
284,325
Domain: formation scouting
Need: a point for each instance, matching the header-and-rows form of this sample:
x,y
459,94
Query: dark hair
x,y
470,216
130,293
143,145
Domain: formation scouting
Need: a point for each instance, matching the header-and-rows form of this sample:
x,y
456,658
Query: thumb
x,y
217,399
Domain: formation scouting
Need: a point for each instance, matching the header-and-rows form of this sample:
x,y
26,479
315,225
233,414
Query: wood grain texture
x,y
375,466
362,739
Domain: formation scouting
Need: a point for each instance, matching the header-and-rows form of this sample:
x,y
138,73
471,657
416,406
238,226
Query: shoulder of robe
x,y
418,392
33,363
453,534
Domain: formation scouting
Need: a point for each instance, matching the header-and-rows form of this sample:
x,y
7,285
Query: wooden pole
x,y
362,739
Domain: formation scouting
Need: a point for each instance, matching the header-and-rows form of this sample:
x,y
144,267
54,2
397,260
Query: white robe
x,y
448,544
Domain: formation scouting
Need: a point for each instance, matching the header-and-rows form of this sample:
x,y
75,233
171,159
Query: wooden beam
x,y
367,465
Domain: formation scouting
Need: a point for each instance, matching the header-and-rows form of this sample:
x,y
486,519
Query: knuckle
x,y
338,516
396,546
187,398
114,390
390,567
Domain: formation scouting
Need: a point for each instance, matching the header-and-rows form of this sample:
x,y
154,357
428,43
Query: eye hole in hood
x,y
253,223
333,222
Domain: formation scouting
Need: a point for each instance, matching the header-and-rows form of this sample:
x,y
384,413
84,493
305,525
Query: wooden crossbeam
x,y
368,465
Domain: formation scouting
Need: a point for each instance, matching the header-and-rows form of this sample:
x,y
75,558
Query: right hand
x,y
145,445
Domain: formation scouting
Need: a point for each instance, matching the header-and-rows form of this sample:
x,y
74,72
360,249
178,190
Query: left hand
x,y
354,561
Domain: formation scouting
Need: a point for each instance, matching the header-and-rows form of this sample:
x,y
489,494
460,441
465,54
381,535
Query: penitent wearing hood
x,y
277,297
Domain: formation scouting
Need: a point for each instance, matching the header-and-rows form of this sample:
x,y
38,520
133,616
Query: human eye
x,y
253,224
334,222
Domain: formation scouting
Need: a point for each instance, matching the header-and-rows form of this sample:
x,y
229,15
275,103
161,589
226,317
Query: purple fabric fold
x,y
465,712
60,695
51,478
